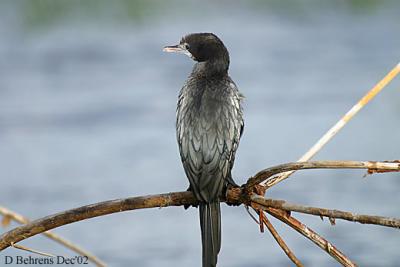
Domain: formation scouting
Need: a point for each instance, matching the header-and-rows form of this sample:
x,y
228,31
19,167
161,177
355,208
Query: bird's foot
x,y
231,182
232,190
188,206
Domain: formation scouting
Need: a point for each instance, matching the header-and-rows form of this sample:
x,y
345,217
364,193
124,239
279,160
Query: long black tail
x,y
210,222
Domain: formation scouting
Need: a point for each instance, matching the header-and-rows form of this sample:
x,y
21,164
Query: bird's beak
x,y
177,49
174,48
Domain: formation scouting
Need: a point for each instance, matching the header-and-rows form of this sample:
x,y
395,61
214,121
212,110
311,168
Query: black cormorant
x,y
209,125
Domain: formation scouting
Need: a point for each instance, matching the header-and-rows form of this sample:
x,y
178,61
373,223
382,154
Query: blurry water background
x,y
87,113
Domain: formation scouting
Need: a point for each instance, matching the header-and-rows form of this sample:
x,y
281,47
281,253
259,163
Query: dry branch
x,y
23,220
336,214
312,235
340,124
237,196
265,174
94,210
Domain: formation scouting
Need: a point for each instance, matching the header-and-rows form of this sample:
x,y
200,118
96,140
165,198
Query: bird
x,y
209,125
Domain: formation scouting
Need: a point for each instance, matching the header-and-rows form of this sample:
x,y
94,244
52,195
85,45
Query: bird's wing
x,y
238,122
208,142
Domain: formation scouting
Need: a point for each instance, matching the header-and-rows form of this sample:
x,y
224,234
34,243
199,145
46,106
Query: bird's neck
x,y
217,67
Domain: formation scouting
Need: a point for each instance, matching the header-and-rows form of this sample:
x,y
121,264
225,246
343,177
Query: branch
x,y
94,210
234,196
372,166
342,122
313,236
336,214
23,220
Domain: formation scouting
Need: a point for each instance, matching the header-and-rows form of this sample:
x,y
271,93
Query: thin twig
x,y
31,250
340,124
251,215
281,242
23,220
331,164
313,236
334,214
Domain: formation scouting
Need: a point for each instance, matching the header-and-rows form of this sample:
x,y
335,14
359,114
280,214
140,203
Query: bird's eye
x,y
186,45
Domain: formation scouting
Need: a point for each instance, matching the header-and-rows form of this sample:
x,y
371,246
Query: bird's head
x,y
201,47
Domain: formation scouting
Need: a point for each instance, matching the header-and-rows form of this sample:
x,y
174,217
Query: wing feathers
x,y
208,135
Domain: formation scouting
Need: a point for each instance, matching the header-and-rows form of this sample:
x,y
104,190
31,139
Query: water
x,y
87,111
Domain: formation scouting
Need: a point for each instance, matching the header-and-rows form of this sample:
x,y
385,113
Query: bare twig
x,y
332,164
251,215
340,124
31,250
313,236
281,242
23,220
335,214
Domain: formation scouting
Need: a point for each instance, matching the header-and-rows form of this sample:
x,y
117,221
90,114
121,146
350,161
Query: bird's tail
x,y
210,222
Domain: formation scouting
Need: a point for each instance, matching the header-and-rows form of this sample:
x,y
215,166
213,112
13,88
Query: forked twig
x,y
339,125
313,236
388,166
